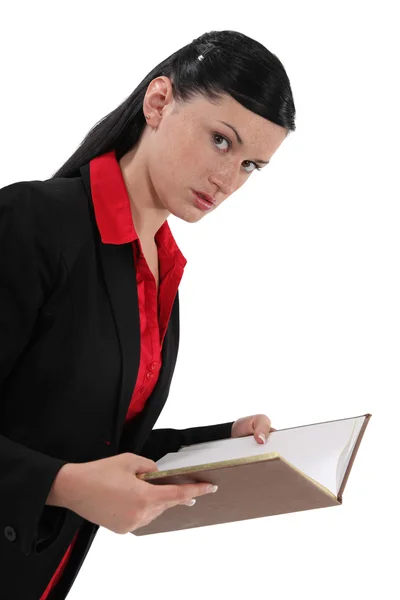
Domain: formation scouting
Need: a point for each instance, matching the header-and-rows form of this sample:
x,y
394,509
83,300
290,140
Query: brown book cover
x,y
248,488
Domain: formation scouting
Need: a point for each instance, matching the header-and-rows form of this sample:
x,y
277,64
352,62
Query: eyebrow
x,y
239,139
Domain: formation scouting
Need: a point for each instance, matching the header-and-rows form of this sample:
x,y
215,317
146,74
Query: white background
x,y
290,299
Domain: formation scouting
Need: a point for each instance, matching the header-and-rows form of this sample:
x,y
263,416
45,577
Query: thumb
x,y
141,464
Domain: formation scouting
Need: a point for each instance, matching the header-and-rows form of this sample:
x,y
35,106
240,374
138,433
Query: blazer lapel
x,y
119,272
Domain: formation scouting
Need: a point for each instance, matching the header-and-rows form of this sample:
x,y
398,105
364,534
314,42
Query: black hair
x,y
230,63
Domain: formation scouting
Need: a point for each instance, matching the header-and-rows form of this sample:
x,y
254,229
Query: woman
x,y
89,319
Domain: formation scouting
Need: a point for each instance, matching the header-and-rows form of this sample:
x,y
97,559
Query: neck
x,y
147,215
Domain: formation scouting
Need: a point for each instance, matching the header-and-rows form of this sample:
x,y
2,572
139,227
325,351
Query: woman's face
x,y
190,146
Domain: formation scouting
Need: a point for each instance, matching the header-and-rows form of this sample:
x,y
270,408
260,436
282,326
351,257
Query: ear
x,y
159,95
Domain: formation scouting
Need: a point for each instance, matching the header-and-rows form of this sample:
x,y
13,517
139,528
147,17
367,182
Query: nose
x,y
225,180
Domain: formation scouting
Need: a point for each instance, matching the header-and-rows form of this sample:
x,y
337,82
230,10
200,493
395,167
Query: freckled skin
x,y
179,151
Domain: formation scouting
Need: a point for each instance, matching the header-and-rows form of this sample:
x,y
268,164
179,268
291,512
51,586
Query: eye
x,y
224,139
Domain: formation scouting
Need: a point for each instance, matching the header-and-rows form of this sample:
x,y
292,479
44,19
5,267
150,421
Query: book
x,y
298,468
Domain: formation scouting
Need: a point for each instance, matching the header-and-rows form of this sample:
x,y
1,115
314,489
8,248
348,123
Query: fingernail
x,y
190,502
262,436
212,489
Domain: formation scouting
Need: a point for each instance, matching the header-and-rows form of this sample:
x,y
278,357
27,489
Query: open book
x,y
300,468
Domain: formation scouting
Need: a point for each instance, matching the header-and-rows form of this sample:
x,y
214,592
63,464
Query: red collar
x,y
112,207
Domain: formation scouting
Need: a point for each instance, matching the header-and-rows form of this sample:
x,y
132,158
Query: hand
x,y
108,493
257,425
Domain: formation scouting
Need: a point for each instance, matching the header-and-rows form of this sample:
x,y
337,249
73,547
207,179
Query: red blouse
x,y
114,221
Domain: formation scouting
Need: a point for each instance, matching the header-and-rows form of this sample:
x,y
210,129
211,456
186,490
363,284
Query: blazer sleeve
x,y
162,441
29,257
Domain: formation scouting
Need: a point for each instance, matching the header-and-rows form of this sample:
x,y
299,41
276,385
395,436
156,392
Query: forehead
x,y
252,128
223,108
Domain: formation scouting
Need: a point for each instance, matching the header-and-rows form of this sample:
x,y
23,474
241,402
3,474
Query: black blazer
x,y
69,358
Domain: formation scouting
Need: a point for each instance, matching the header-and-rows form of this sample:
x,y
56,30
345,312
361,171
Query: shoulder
x,y
54,210
24,210
29,237
47,198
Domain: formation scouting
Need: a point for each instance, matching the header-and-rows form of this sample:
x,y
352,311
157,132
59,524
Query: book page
x,y
347,451
319,450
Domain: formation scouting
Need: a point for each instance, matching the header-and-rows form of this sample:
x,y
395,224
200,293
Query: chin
x,y
189,214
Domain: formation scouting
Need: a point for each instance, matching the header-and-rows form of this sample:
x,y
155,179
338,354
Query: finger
x,y
151,515
176,494
262,425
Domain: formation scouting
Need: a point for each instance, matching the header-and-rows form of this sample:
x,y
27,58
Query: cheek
x,y
178,166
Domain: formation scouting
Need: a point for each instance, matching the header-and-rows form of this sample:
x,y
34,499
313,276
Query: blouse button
x,y
153,366
149,375
10,533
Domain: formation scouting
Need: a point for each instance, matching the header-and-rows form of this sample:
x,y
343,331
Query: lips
x,y
201,203
205,196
